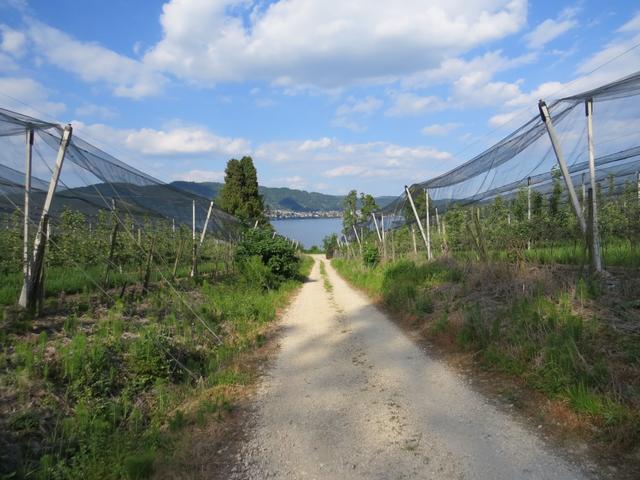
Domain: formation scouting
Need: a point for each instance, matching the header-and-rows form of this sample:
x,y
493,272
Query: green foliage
x,y
275,252
330,245
349,216
370,255
240,196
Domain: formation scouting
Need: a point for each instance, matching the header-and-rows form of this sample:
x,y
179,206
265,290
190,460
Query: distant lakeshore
x,y
290,214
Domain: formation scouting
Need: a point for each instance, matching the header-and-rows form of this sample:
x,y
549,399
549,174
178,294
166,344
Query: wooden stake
x,y
29,292
417,217
555,142
194,247
27,196
112,243
428,224
596,258
413,237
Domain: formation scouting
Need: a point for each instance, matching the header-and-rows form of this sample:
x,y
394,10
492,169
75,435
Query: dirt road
x,y
350,396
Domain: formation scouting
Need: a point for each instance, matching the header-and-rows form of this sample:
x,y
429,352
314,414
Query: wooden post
x,y
438,221
393,247
413,237
177,261
147,273
596,259
445,246
555,142
384,238
41,288
194,246
415,213
29,292
112,243
428,224
26,267
375,222
355,230
584,195
173,226
206,224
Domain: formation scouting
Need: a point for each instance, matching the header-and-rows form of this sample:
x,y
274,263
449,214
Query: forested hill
x,y
281,198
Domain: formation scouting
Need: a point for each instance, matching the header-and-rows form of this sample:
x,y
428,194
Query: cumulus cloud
x,y
360,109
336,43
440,129
94,63
408,104
14,89
12,41
551,29
184,140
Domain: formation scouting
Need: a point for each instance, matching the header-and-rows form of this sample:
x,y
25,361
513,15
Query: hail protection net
x,y
526,155
92,181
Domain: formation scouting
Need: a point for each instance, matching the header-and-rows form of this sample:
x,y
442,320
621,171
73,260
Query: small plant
x,y
370,255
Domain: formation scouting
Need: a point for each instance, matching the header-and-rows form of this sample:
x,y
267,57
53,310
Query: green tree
x,y
240,196
349,216
368,206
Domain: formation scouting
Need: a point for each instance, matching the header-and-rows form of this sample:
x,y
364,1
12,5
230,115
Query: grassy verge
x,y
102,393
560,335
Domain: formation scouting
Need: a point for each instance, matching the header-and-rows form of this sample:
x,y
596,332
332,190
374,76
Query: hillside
x,y
281,198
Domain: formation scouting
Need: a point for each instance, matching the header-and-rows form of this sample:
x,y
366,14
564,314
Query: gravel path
x,y
350,396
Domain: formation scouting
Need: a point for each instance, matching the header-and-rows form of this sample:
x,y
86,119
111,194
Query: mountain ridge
x,y
281,198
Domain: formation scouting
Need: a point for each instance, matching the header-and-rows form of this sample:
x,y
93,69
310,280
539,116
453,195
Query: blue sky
x,y
324,95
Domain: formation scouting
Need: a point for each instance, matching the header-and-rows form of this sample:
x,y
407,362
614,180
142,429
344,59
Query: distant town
x,y
281,214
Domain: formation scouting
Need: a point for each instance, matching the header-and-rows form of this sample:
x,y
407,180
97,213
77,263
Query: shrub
x,y
370,255
275,252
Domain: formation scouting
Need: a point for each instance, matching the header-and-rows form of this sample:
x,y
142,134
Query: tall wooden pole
x,y
206,224
194,246
29,292
555,142
428,224
595,235
417,217
413,237
26,267
384,237
375,222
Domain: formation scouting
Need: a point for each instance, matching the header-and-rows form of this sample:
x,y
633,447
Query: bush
x,y
370,255
275,252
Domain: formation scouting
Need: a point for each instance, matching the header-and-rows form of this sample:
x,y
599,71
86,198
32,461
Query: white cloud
x,y
336,43
15,90
355,108
94,63
551,29
453,68
408,104
309,145
13,41
200,176
91,110
184,140
440,129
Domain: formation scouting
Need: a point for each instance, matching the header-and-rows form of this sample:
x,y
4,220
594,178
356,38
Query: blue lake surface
x,y
308,231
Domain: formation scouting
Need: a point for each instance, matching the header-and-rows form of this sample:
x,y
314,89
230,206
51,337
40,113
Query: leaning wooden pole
x,y
375,222
30,290
596,258
555,142
206,224
415,213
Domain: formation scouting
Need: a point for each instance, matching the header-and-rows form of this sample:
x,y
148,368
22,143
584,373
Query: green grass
x,y
111,389
538,338
325,278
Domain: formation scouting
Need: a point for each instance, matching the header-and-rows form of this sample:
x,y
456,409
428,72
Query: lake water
x,y
308,231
